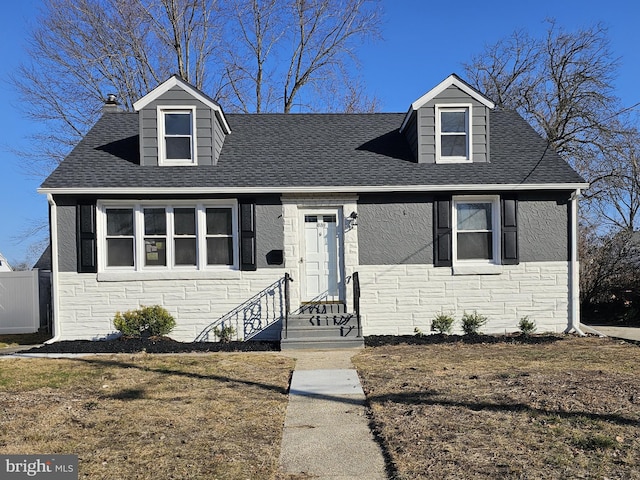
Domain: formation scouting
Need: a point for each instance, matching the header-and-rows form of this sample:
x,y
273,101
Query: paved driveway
x,y
628,333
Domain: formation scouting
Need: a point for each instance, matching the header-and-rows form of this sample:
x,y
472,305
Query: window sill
x,y
477,269
178,163
453,160
124,276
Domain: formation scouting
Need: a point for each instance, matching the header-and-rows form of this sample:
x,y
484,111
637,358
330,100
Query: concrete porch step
x,y
321,331
335,331
321,308
320,320
321,343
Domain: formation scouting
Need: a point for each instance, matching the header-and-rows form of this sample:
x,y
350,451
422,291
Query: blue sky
x,y
423,42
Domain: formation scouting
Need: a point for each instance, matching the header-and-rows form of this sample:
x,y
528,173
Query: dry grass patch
x,y
567,409
216,416
14,340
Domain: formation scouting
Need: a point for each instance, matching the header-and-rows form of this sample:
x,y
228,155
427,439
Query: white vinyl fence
x,y
19,302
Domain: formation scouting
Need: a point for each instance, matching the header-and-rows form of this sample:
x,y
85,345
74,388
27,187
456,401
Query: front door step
x,y
326,330
322,308
320,343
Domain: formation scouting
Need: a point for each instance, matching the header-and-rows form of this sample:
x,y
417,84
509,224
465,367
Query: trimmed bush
x,y
526,326
473,322
442,323
145,322
224,333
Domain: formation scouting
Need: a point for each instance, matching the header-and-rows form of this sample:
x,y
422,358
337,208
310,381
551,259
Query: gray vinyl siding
x,y
149,136
411,134
218,139
395,229
209,135
426,126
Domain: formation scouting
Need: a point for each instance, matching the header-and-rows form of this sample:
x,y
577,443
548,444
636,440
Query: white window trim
x,y
473,265
161,110
467,107
139,249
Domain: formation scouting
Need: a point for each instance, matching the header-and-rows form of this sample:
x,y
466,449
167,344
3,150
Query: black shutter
x,y
442,232
509,215
86,238
248,236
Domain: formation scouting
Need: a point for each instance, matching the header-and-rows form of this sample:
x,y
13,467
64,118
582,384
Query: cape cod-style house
x,y
313,228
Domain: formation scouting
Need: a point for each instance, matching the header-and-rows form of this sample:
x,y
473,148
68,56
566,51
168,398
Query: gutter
x,y
310,189
53,214
574,270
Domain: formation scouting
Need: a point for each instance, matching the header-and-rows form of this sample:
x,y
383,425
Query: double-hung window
x,y
185,236
155,237
476,230
219,236
176,138
453,133
176,236
119,241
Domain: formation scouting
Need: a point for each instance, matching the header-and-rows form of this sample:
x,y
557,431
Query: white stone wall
x,y
396,299
87,306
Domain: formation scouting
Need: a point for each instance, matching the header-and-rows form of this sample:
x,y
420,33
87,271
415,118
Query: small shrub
x,y
224,333
473,322
526,326
442,323
418,333
145,321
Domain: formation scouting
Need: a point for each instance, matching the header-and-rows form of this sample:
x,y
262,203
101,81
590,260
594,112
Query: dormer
x,y
449,124
180,125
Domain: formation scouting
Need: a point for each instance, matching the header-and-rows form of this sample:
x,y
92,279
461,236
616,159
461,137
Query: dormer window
x,y
176,139
453,133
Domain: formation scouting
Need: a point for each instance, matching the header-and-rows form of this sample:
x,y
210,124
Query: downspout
x,y
53,214
574,270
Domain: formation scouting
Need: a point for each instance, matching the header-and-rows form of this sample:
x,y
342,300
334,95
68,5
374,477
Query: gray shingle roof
x,y
309,150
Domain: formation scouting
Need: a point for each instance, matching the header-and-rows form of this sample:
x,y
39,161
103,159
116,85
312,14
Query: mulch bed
x,y
437,339
151,345
168,345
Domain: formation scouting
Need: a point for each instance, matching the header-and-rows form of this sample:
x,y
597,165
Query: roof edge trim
x,y
174,81
451,80
307,189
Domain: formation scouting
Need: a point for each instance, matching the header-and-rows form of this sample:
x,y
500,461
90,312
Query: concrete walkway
x,y
326,431
625,333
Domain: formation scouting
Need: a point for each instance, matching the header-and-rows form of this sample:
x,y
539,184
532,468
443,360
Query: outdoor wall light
x,y
352,220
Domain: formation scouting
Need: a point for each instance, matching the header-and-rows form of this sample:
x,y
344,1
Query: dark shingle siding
x,y
298,150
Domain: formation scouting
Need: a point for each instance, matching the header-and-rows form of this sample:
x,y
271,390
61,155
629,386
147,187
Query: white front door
x,y
321,262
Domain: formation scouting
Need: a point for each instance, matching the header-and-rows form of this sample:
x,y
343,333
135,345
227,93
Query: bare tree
x,y
256,27
83,49
325,33
561,83
281,46
252,55
614,194
609,283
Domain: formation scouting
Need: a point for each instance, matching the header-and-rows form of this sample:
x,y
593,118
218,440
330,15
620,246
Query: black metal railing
x,y
252,316
287,303
356,300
